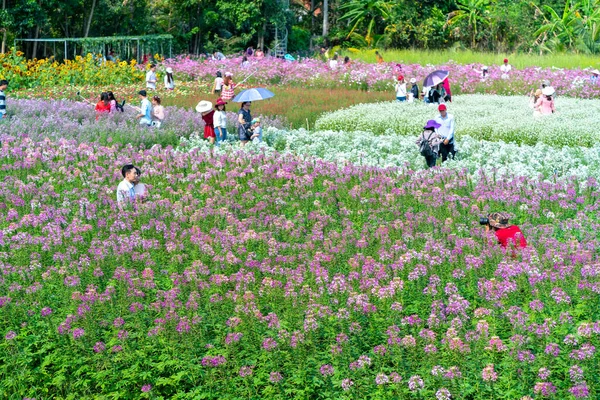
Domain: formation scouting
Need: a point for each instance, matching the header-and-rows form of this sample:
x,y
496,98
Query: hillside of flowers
x,y
272,276
493,118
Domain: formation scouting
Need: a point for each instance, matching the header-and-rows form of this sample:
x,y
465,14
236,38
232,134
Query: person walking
x,y
429,143
220,121
446,132
151,77
145,115
169,82
244,123
401,89
205,109
3,86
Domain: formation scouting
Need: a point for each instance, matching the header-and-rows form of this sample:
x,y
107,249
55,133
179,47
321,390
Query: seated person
x,y
505,234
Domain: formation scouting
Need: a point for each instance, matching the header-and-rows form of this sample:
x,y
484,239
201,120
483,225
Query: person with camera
x,y
505,233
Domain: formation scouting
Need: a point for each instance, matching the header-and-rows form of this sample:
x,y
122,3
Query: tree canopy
x,y
231,25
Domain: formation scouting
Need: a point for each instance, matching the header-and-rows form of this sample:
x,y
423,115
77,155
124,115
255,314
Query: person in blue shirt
x,y
446,131
145,115
126,188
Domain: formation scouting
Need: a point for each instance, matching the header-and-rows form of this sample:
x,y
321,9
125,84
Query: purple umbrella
x,y
435,77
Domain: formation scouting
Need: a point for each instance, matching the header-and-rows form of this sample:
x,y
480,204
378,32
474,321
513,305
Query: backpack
x,y
121,107
425,147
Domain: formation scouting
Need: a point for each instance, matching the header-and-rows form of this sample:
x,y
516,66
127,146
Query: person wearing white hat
x,y
169,82
414,90
205,108
545,104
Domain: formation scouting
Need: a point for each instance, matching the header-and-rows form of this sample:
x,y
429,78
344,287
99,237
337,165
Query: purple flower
x,y
146,388
580,391
99,347
275,377
443,394
415,382
269,344
347,384
246,370
488,374
10,335
78,332
326,370
382,379
46,311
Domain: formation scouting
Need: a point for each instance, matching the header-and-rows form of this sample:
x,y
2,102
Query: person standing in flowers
x,y
429,143
256,130
401,89
151,77
228,91
205,109
158,112
594,78
533,99
218,84
220,121
145,115
103,106
169,82
505,69
244,123
414,90
446,132
125,189
545,104
3,86
505,234
379,57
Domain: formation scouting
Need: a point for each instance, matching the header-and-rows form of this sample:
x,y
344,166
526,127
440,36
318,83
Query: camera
x,y
484,221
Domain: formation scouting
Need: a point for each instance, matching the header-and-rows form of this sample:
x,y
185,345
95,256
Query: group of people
x,y
542,100
215,122
436,94
437,139
151,78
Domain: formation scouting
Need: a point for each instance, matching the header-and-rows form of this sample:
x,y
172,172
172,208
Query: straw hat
x,y
595,72
548,91
204,106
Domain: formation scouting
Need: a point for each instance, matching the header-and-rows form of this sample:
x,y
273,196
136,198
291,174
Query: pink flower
x,y
146,388
326,370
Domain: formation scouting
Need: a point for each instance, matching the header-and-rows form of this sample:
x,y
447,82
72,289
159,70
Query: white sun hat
x,y
169,70
548,91
204,106
413,80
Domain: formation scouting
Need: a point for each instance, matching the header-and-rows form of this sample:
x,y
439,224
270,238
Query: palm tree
x,y
359,11
475,13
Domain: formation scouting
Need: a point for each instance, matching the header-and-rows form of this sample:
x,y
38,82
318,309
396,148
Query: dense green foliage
x,y
230,25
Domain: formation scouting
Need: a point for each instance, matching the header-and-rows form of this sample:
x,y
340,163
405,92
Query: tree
x,y
475,13
559,30
370,11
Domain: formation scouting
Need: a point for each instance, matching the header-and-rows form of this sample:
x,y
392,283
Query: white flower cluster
x,y
365,148
489,117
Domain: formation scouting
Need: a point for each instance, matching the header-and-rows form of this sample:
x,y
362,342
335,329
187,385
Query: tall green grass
x,y
436,57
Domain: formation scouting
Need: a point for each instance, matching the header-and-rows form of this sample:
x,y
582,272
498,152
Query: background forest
x,y
536,26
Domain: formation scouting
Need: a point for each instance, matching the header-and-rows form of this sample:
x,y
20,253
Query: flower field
x,y
266,276
494,118
323,264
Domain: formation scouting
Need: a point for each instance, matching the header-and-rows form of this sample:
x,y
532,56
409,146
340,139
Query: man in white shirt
x,y
145,115
151,77
126,190
505,69
446,132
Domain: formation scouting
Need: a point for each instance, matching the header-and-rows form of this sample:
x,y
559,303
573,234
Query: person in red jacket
x,y
103,106
505,233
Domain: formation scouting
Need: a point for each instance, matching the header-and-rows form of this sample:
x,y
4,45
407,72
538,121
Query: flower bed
x,y
40,119
254,275
494,118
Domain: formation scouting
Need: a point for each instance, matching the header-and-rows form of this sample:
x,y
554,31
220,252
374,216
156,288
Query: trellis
x,y
124,47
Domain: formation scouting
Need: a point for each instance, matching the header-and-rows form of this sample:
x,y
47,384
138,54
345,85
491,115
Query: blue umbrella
x,y
435,77
253,94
